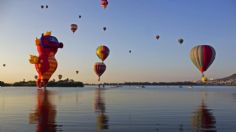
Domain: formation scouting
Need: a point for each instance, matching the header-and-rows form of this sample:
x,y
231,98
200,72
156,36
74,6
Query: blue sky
x,y
131,25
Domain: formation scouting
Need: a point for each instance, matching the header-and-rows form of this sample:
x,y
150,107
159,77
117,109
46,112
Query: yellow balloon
x,y
204,79
33,59
102,52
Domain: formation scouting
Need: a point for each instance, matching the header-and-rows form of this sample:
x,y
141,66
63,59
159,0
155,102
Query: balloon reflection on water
x,y
203,119
100,109
44,115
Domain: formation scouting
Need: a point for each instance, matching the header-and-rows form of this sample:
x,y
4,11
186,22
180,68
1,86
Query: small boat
x,y
190,86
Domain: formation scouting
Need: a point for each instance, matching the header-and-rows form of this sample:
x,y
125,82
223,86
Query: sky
x,y
131,25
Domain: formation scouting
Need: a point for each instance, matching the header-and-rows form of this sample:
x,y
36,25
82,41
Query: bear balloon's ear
x,y
47,34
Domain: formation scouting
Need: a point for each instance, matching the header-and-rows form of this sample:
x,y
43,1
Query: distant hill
x,y
231,77
229,80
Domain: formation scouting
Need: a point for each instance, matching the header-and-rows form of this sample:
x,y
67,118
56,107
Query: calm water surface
x,y
122,109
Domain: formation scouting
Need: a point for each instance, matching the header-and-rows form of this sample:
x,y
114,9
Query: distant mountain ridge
x,y
229,80
231,77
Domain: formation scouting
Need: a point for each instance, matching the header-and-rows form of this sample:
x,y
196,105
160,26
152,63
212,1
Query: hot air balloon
x,y
4,65
129,51
46,6
158,37
35,77
202,57
104,28
59,76
73,27
99,69
104,3
77,72
42,6
180,41
102,52
204,79
80,16
45,63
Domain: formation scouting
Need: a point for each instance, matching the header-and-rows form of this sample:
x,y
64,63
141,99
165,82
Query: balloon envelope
x,y
180,40
59,76
204,79
104,3
102,52
73,27
76,72
99,69
104,28
202,57
158,37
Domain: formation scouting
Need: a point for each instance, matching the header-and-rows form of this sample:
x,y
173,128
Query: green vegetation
x,y
61,83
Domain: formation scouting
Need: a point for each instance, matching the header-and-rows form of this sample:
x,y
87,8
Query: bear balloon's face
x,y
48,44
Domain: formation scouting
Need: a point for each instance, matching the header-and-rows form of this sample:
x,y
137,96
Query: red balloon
x,y
104,3
73,27
45,63
99,69
202,56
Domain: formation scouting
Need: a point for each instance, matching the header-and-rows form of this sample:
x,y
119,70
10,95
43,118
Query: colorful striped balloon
x,y
102,52
99,69
202,57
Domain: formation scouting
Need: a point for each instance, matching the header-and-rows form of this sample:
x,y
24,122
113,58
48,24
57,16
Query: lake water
x,y
119,109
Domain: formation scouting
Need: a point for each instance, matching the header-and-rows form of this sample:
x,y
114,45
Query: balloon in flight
x,y
204,79
45,63
104,28
202,57
73,27
42,6
102,52
77,72
157,37
59,76
99,69
180,41
104,3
